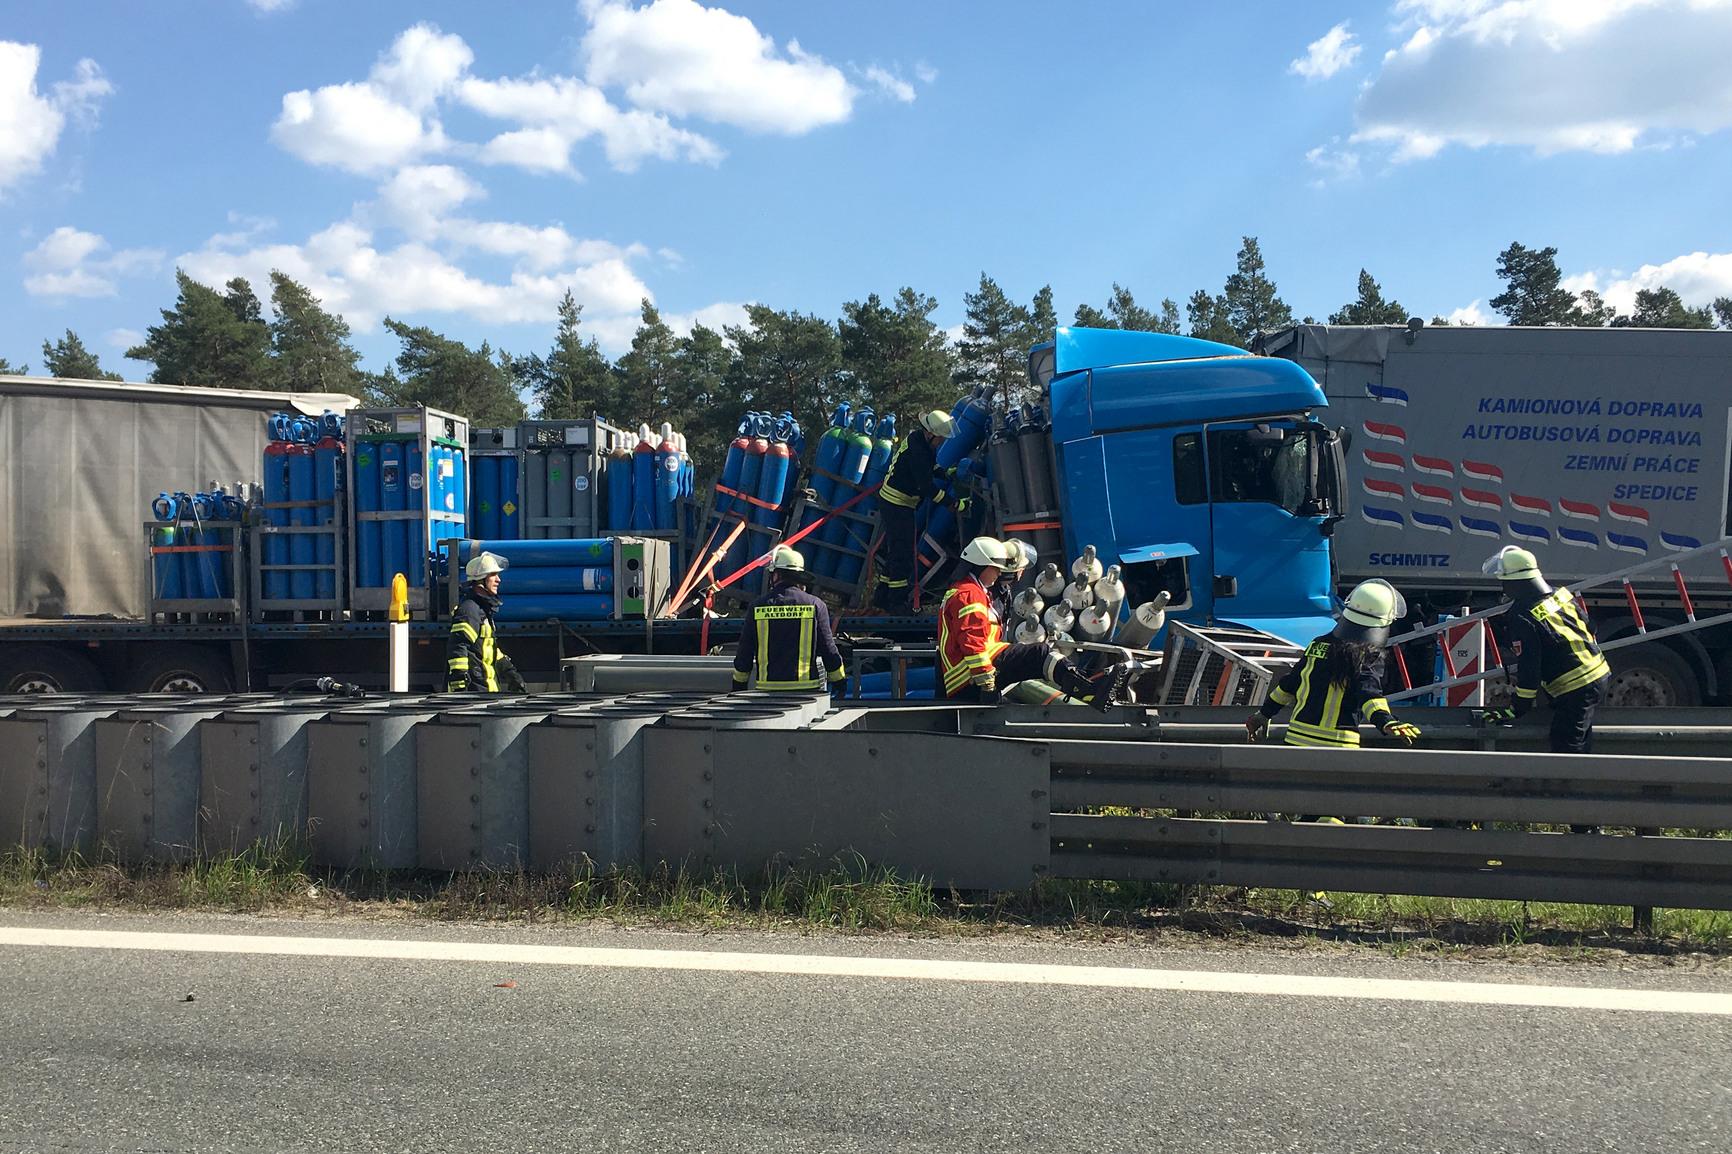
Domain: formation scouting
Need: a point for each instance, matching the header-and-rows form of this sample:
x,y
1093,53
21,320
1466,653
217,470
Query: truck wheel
x,y
1650,676
45,669
179,669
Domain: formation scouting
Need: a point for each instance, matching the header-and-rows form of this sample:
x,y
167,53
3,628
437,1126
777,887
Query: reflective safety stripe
x,y
1563,617
897,497
1299,733
888,584
458,663
809,683
741,678
1528,693
1373,706
464,629
1280,696
838,674
968,609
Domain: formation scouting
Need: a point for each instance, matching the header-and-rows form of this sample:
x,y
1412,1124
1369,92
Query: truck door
x,y
1269,486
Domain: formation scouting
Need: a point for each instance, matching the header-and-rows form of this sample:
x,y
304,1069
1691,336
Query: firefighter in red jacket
x,y
974,660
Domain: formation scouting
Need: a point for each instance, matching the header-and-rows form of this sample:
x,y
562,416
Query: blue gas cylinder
x,y
667,480
303,488
276,487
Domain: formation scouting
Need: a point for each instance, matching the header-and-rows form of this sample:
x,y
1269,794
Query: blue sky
x,y
459,165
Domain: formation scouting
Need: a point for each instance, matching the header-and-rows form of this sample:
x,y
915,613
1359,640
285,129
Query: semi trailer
x,y
1598,449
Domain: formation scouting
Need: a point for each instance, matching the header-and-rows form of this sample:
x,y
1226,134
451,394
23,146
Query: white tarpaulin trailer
x,y
81,462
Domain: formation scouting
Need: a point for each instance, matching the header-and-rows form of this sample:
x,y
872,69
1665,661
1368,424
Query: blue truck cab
x,y
1200,469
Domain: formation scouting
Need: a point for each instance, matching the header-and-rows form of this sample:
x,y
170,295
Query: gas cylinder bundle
x,y
411,489
1083,606
1021,455
853,454
303,474
569,580
758,478
648,483
191,557
958,459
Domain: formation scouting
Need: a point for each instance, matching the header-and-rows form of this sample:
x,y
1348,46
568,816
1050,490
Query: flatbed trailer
x,y
89,655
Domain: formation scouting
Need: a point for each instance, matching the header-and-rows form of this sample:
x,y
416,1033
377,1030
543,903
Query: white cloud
x,y
417,198
683,59
382,122
1327,55
558,112
925,73
31,123
268,7
1601,76
1470,314
73,263
1699,278
123,339
1332,162
889,84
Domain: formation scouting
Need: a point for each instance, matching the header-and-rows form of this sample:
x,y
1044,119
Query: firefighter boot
x,y
1070,679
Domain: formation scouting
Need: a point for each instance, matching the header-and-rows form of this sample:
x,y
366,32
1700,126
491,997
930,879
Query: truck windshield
x,y
1269,465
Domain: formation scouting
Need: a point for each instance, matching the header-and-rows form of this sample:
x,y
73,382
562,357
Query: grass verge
x,y
852,895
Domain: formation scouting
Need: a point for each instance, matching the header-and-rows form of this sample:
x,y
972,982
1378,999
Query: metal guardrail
x,y
1238,784
972,797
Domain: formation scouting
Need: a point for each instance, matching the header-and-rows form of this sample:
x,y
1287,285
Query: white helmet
x,y
937,422
988,552
1024,554
1512,563
1369,611
787,559
484,565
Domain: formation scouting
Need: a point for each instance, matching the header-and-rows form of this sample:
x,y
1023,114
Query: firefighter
x,y
1558,652
788,635
1022,556
1340,678
912,478
974,660
474,663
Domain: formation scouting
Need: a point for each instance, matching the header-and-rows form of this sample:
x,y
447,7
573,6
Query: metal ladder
x,y
1622,577
1222,664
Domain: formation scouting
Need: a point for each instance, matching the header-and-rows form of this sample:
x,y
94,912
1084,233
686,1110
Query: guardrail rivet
x,y
475,771
589,745
362,742
589,801
589,773
1037,825
792,750
1037,793
707,803
709,776
474,827
589,829
363,823
871,752
706,749
474,799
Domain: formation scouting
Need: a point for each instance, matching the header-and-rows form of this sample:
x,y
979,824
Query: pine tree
x,y
894,357
310,350
1207,317
1723,311
1534,292
1662,308
209,338
68,359
1370,308
1123,312
573,380
993,350
643,378
787,361
1252,304
8,369
702,407
435,370
1592,311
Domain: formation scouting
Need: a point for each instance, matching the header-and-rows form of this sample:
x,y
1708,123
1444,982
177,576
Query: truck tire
x,y
47,669
179,669
1650,676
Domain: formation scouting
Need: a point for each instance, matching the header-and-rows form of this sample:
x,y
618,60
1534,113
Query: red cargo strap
x,y
757,562
746,497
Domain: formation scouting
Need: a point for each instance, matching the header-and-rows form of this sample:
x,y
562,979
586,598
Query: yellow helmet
x,y
1369,611
484,565
1512,563
937,422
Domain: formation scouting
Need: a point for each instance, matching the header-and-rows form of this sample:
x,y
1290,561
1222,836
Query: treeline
x,y
888,353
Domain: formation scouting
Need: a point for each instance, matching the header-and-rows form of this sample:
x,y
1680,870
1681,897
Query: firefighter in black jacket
x,y
1558,652
1340,678
474,663
913,478
787,634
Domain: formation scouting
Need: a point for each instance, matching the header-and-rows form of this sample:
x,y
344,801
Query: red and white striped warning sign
x,y
1466,645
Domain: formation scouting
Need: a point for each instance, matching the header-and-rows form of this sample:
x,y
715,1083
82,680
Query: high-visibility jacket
x,y
473,661
969,637
788,635
1558,650
911,478
1326,713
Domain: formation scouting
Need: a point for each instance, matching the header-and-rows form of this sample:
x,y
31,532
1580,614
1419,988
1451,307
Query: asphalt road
x,y
101,1051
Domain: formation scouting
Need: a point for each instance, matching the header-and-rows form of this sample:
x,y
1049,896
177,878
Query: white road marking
x,y
903,969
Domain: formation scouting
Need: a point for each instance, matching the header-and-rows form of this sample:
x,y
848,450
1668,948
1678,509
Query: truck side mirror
x,y
1226,586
